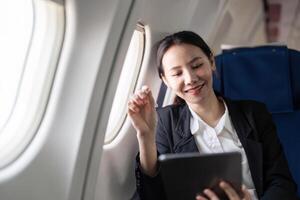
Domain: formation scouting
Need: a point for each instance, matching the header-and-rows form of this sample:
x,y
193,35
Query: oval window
x,y
127,81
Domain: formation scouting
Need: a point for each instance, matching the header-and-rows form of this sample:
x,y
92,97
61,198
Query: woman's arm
x,y
141,110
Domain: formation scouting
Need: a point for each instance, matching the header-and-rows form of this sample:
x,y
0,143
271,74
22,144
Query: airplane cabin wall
x,y
54,165
67,159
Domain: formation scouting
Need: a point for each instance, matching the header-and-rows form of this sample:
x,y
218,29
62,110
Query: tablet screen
x,y
186,175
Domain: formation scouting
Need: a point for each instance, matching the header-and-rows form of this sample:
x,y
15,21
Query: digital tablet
x,y
186,175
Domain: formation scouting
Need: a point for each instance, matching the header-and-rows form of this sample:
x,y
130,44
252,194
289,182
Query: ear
x,y
213,63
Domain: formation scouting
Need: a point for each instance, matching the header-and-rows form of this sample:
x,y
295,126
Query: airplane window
x,y
14,40
127,81
31,38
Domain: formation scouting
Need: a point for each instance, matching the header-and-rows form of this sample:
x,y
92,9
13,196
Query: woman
x,y
205,122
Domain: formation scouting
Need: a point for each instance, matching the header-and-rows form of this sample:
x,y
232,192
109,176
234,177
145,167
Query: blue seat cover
x,y
260,73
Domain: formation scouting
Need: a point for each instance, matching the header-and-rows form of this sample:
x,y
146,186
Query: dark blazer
x,y
257,133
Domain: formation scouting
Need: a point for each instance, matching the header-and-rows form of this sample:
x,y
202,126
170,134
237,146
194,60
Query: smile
x,y
195,90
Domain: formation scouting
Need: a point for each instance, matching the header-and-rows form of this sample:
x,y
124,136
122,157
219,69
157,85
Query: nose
x,y
190,77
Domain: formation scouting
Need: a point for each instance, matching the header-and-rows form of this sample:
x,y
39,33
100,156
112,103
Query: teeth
x,y
199,86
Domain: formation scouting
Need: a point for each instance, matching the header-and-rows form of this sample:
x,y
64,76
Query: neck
x,y
210,110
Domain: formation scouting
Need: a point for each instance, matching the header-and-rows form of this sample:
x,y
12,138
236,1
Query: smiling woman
x,y
206,123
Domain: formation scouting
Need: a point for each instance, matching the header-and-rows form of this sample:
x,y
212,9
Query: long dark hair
x,y
182,37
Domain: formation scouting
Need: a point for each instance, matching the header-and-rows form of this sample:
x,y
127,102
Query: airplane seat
x,y
294,57
268,74
288,132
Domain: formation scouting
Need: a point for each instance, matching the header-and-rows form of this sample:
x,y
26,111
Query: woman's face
x,y
188,72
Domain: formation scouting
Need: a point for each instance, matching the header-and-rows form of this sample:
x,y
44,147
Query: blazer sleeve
x,y
278,183
150,188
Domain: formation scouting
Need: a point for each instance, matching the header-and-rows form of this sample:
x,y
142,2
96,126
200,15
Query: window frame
x,y
36,83
110,135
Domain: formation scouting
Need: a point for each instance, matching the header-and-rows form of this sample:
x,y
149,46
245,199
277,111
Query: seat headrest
x,y
258,73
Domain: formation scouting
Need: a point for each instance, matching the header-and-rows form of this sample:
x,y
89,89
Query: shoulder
x,y
251,113
173,113
255,113
247,106
171,110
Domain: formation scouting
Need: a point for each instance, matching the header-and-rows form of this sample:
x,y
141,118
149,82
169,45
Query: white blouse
x,y
221,138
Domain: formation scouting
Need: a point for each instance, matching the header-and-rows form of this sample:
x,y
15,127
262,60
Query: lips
x,y
195,89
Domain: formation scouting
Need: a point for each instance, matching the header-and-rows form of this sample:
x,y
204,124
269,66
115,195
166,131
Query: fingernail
x,y
222,184
145,88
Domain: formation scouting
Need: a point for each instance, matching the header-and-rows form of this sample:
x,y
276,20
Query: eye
x,y
195,66
176,74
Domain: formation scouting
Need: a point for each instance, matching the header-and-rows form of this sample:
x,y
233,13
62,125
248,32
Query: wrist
x,y
145,137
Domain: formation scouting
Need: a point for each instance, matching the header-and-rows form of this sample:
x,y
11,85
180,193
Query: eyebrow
x,y
194,59
190,62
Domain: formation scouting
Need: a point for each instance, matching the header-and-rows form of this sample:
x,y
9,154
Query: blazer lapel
x,y
185,141
253,149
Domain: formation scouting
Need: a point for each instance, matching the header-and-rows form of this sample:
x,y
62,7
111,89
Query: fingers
x,y
199,197
133,106
228,189
140,99
246,193
210,194
231,193
142,96
147,91
136,102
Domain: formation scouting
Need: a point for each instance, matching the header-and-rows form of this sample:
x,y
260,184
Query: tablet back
x,y
185,175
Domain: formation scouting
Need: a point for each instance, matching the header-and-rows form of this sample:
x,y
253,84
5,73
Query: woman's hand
x,y
230,192
141,110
